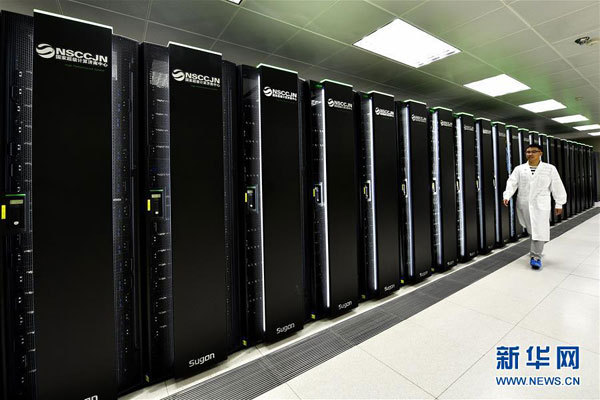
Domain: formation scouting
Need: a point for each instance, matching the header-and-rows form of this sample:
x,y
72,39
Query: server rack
x,y
334,146
513,140
573,175
501,214
565,173
444,198
554,159
579,175
486,190
17,326
272,223
379,204
126,256
590,178
198,225
155,222
62,247
546,143
534,137
466,170
417,184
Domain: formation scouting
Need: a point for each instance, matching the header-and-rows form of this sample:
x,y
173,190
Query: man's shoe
x,y
536,264
531,260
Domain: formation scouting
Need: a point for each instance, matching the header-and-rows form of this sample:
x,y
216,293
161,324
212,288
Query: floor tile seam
x,y
489,315
581,276
396,371
558,339
477,361
578,292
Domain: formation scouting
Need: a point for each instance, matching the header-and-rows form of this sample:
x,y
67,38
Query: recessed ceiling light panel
x,y
570,118
497,85
594,133
407,44
541,106
236,1
587,127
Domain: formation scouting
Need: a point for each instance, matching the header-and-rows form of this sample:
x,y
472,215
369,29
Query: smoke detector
x,y
586,41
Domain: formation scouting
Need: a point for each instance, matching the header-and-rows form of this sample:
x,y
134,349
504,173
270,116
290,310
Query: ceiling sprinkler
x,y
586,41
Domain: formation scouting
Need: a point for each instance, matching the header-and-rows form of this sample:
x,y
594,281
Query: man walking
x,y
535,181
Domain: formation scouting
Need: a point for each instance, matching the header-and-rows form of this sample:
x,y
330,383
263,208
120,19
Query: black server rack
x,y
417,184
270,153
468,184
573,174
443,161
580,177
155,221
554,159
565,173
334,153
486,189
524,137
513,140
126,257
502,214
17,331
534,137
590,180
546,143
197,209
379,213
71,98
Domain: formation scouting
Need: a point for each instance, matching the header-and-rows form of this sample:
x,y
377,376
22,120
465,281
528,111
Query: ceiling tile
x,y
253,30
537,11
592,57
438,16
535,75
207,17
350,60
317,74
239,54
518,42
309,47
408,79
130,27
135,8
398,7
492,26
460,68
296,12
162,35
350,21
526,59
572,24
286,63
589,70
27,6
383,71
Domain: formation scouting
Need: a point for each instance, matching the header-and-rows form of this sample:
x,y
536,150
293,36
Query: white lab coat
x,y
533,198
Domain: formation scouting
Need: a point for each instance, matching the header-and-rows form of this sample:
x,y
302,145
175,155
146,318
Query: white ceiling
x,y
530,40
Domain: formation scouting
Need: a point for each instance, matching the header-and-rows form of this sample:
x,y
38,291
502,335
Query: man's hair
x,y
537,146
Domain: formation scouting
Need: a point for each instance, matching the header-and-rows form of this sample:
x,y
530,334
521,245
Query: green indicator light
x,y
15,195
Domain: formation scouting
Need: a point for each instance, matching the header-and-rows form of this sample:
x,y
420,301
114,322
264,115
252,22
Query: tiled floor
x,y
449,349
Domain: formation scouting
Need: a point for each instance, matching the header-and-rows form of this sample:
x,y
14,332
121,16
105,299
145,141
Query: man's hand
x,y
558,211
506,202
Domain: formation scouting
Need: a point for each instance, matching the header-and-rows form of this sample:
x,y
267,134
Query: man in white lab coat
x,y
535,180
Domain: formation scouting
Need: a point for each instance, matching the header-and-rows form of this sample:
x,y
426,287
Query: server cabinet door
x,y
467,175
198,216
76,356
417,181
486,193
501,176
446,184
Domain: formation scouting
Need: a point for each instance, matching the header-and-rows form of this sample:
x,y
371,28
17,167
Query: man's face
x,y
533,154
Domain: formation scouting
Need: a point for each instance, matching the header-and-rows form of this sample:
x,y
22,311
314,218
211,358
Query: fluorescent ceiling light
x,y
587,127
570,118
407,44
594,133
541,106
236,1
497,85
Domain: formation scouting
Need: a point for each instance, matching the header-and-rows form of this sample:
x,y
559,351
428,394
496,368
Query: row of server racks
x,y
163,208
